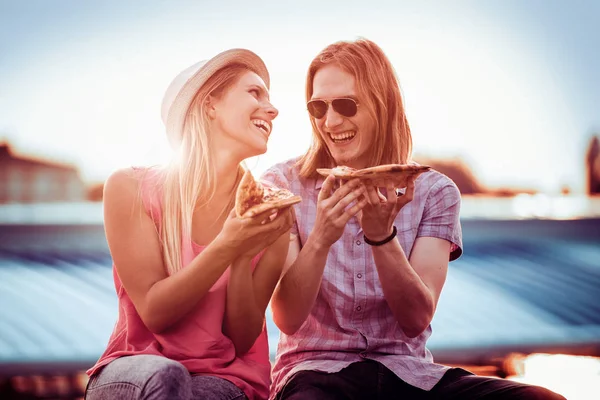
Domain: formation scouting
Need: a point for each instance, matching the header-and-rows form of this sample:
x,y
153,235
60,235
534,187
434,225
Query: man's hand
x,y
377,217
335,208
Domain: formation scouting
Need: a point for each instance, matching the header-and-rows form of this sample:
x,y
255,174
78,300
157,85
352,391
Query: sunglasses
x,y
344,106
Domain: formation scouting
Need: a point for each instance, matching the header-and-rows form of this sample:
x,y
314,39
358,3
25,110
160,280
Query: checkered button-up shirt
x,y
351,320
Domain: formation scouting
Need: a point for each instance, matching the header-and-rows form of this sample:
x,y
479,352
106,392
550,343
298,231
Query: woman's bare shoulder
x,y
122,182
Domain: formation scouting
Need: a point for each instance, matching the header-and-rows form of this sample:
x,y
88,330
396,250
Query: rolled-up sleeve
x,y
441,216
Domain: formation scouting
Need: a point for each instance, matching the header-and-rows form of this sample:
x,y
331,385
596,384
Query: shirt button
x,y
358,308
359,275
358,242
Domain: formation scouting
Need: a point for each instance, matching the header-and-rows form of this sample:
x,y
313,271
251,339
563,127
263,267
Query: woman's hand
x,y
246,237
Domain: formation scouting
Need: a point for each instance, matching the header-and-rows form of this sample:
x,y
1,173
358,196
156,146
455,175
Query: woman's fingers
x,y
281,219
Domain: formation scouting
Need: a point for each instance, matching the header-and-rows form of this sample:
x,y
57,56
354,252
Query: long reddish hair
x,y
379,93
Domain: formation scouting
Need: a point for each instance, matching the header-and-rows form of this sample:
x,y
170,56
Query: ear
x,y
211,108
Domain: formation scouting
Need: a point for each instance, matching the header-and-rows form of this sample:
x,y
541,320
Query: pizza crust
x,y
380,176
249,193
252,198
271,205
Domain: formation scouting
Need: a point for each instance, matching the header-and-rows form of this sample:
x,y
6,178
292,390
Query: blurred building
x,y
30,180
95,191
593,166
457,170
464,178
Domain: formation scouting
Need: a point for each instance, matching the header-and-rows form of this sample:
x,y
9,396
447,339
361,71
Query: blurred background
x,y
502,96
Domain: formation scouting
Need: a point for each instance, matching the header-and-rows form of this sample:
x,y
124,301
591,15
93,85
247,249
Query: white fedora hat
x,y
183,88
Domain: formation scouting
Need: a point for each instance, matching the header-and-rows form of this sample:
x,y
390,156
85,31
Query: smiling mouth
x,y
262,125
342,137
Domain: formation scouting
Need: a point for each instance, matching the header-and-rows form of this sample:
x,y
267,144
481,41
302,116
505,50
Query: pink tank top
x,y
197,340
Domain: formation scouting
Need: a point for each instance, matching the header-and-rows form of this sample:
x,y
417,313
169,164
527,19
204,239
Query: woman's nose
x,y
272,111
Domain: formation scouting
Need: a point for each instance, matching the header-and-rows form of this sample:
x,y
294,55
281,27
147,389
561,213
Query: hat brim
x,y
180,105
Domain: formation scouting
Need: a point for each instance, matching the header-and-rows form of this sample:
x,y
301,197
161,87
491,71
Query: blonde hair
x,y
379,93
189,181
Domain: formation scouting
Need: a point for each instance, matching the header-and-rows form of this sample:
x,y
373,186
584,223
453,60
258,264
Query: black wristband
x,y
384,241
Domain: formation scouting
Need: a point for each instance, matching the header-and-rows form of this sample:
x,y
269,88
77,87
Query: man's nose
x,y
332,118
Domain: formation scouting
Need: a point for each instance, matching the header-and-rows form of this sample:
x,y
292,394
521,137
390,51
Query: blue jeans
x,y
149,377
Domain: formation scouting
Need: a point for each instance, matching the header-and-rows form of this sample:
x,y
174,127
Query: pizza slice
x,y
252,198
380,175
341,171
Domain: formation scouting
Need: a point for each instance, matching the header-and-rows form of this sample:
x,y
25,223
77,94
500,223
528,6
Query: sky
x,y
511,87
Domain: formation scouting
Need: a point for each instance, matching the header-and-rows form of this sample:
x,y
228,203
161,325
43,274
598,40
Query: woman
x,y
193,280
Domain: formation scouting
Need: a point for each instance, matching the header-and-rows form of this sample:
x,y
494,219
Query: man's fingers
x,y
340,193
352,211
326,188
391,196
343,191
408,195
371,194
341,205
410,189
380,196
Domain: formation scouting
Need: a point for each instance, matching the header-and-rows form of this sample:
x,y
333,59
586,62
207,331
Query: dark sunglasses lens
x,y
317,108
345,107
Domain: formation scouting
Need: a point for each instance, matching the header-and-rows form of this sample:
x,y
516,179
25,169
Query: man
x,y
366,265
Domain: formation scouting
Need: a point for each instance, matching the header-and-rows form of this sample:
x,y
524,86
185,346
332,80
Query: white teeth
x,y
264,125
342,135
